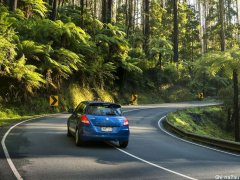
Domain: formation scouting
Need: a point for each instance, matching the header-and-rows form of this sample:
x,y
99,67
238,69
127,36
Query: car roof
x,y
100,103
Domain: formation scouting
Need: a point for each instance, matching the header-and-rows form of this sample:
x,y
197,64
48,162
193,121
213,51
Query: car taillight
x,y
84,119
125,123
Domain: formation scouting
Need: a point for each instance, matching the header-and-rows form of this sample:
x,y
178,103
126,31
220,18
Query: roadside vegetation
x,y
163,51
205,121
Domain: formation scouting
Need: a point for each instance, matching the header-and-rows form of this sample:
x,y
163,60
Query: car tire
x,y
123,144
78,140
68,132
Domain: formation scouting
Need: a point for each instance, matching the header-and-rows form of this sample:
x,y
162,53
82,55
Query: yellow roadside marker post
x,y
53,100
134,99
200,96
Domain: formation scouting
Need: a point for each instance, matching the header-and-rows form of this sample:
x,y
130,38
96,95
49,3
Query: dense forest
x,y
170,49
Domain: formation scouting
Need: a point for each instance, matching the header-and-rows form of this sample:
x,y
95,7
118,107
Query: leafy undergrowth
x,y
68,98
18,111
149,98
207,121
178,94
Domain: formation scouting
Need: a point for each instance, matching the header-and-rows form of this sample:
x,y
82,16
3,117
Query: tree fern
x,y
131,65
26,74
33,8
69,58
216,61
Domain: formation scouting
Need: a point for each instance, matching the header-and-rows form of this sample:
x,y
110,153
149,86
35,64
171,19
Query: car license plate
x,y
106,129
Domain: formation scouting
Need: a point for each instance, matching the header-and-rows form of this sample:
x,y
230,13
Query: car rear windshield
x,y
104,110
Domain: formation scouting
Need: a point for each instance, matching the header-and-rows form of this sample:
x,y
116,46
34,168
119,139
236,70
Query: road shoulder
x,y
5,170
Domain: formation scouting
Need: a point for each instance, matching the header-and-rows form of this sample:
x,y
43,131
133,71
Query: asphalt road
x,y
40,149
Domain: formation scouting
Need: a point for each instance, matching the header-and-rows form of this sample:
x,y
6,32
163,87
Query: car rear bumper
x,y
93,134
104,138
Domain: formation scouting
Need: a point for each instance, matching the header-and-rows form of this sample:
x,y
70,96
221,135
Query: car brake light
x,y
84,119
125,123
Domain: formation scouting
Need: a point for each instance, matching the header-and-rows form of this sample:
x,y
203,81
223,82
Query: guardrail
x,y
230,145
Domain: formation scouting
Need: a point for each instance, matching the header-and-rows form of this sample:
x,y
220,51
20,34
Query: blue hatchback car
x,y
98,121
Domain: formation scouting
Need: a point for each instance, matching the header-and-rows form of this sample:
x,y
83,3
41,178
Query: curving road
x,y
40,149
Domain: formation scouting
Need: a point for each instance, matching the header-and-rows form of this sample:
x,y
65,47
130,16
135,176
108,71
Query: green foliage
x,y
7,52
104,95
131,65
75,94
208,121
213,71
178,94
61,62
26,73
226,94
6,21
189,45
216,62
69,58
114,48
170,74
33,8
40,57
113,39
101,71
56,33
160,45
89,23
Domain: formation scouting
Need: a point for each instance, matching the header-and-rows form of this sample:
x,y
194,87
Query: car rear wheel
x,y
68,132
78,140
123,144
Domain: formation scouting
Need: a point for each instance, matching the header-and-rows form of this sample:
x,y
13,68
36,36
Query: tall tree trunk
x,y
104,11
130,17
238,16
109,11
13,5
50,2
222,23
201,29
73,4
134,14
126,13
205,36
95,8
6,2
114,11
175,31
228,13
81,10
142,15
54,10
59,3
236,106
146,30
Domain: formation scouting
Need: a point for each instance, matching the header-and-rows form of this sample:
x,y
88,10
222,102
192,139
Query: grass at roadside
x,y
10,120
207,121
18,111
68,98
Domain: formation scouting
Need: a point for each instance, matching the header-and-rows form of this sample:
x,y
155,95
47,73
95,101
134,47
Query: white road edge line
x,y
19,177
170,134
5,150
9,160
152,164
